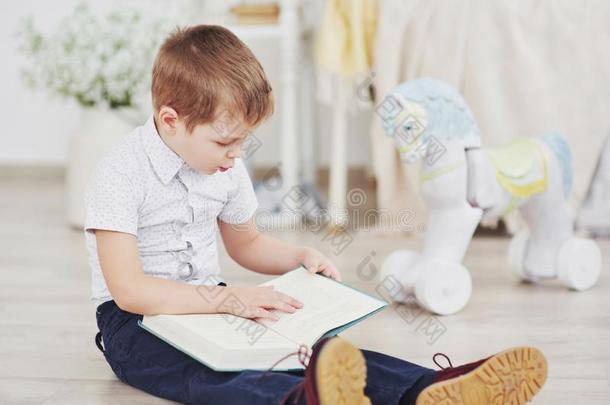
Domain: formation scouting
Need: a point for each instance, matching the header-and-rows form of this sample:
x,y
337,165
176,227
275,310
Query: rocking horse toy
x,y
462,183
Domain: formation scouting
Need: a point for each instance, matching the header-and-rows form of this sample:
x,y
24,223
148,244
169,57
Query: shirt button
x,y
185,271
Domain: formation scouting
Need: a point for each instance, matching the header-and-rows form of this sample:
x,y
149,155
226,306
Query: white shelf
x,y
256,31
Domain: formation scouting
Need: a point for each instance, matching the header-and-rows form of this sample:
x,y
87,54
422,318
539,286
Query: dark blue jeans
x,y
140,359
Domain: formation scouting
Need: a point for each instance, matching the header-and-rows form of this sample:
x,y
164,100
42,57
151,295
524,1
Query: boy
x,y
153,207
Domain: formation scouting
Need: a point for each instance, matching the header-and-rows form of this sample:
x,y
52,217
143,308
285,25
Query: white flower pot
x,y
99,129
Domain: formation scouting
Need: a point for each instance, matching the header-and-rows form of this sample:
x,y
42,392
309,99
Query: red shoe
x,y
334,375
511,377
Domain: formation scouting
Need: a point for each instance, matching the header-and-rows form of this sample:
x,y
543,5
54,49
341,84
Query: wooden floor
x,y
47,325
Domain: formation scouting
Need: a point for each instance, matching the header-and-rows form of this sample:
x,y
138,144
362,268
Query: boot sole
x,y
511,377
341,374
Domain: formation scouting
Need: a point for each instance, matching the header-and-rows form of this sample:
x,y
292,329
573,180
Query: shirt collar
x,y
164,161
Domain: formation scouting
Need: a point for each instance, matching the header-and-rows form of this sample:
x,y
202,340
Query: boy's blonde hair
x,y
205,71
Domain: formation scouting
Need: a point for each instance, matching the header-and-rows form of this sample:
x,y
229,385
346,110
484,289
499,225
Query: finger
x,y
324,270
312,268
328,272
264,314
277,302
290,300
332,272
282,306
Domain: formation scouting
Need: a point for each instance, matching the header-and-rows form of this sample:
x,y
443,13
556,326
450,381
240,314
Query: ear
x,y
168,119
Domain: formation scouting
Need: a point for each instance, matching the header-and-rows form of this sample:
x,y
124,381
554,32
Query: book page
x,y
327,305
225,343
230,332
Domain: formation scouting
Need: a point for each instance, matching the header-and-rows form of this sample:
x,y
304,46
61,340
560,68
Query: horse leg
x,y
443,285
551,249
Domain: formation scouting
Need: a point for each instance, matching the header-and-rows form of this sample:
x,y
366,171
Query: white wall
x,y
37,125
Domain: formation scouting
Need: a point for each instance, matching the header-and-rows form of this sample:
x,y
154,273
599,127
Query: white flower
x,y
96,61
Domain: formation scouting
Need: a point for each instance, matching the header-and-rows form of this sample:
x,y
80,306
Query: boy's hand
x,y
316,262
258,302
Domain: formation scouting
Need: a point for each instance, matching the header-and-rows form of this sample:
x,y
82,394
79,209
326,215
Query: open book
x,y
230,343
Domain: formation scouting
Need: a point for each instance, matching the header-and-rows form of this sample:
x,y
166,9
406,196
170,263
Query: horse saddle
x,y
520,167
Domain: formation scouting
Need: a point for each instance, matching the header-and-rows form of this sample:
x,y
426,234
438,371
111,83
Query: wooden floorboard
x,y
47,325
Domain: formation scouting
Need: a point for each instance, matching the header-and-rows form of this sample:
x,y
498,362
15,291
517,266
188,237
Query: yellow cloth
x,y
344,44
520,167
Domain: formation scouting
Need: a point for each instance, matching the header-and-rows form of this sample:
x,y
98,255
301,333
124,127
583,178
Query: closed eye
x,y
234,141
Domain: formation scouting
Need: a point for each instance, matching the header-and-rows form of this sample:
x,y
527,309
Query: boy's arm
x,y
136,292
268,255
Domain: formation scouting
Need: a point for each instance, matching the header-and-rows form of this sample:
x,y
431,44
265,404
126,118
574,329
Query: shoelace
x,y
304,357
446,358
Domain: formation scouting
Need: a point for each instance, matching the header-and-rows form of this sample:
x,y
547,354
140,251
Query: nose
x,y
234,152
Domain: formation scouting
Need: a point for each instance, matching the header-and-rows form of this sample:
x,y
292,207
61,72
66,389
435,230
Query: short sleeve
x,y
111,201
241,203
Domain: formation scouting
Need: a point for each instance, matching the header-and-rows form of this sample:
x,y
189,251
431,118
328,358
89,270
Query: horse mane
x,y
449,117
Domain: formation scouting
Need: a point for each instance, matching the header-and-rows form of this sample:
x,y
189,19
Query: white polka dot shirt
x,y
143,188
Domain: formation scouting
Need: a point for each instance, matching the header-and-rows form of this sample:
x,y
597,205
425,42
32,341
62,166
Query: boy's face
x,y
209,147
